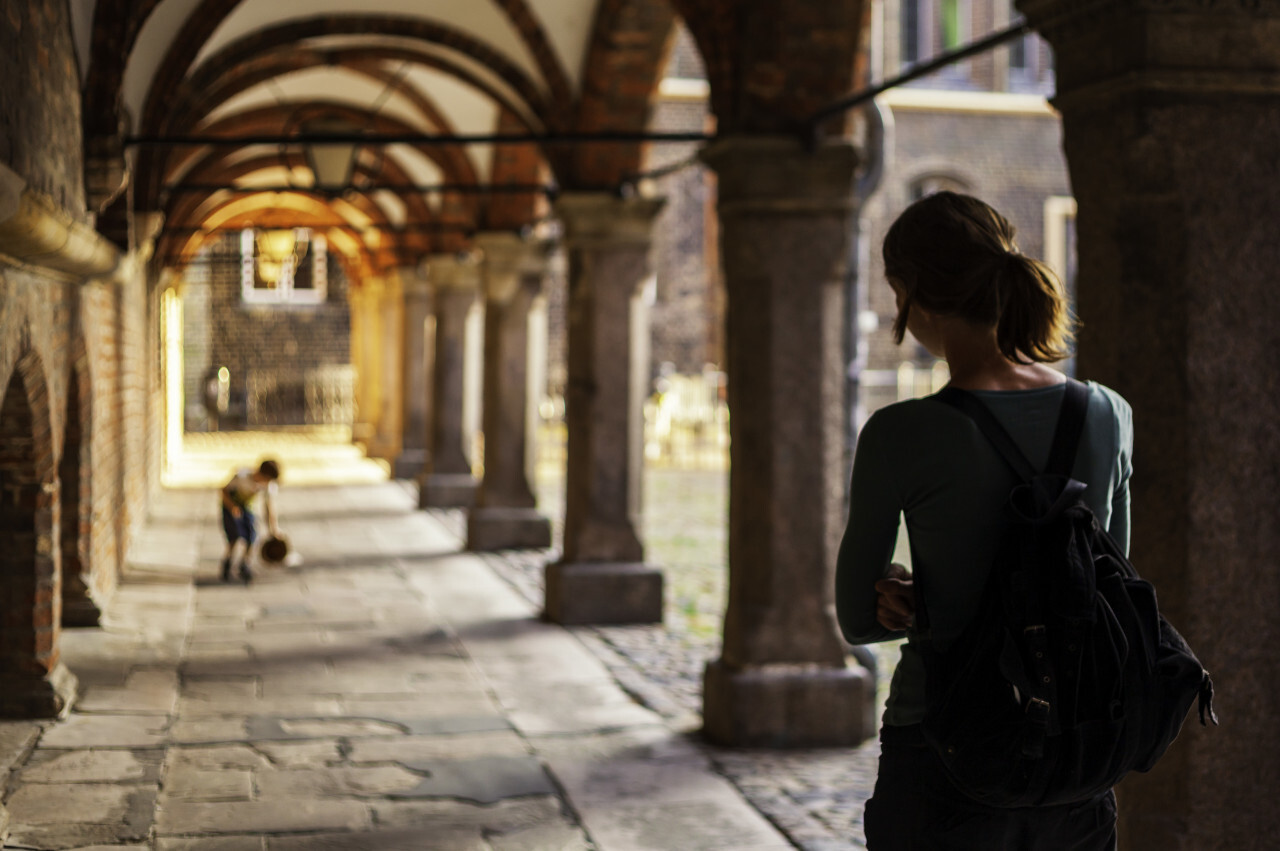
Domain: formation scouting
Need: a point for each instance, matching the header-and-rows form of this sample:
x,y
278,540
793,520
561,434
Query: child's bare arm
x,y
227,501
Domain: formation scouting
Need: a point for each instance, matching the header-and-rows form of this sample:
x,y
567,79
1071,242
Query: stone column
x,y
506,515
602,577
415,378
364,338
783,679
390,307
1171,123
448,481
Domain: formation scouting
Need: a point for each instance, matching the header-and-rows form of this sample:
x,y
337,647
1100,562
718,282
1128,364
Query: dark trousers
x,y
241,527
916,808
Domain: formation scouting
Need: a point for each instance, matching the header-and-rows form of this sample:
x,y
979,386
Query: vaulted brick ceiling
x,y
404,67
422,68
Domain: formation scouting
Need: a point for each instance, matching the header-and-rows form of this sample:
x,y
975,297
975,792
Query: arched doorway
x,y
32,682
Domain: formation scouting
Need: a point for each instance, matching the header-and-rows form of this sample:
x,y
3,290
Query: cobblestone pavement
x,y
816,797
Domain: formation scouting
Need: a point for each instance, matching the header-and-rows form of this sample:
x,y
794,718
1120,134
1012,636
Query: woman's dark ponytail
x,y
1034,324
954,255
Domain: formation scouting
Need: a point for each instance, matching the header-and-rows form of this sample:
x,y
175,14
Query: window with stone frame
x,y
1030,61
298,276
931,27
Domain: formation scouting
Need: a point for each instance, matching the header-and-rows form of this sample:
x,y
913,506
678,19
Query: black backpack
x,y
1068,677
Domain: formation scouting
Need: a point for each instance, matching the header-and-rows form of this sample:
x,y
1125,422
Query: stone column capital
x,y
778,175
453,272
509,260
1109,49
602,218
414,282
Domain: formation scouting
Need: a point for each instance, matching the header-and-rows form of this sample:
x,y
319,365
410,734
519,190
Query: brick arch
x,y
630,42
32,682
75,474
206,95
270,120
535,38
163,99
182,211
773,63
292,209
116,26
513,164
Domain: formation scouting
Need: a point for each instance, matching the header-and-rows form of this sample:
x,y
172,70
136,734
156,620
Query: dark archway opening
x,y
78,608
19,498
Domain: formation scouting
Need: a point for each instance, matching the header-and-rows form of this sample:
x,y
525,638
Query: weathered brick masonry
x,y
60,324
40,108
269,339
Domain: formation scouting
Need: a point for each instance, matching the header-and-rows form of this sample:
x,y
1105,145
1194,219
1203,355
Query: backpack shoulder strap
x,y
971,406
1066,436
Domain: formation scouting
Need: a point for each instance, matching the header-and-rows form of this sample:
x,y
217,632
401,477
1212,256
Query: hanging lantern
x,y
332,164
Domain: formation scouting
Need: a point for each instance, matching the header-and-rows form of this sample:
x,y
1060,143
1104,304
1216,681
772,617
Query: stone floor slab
x,y
675,825
215,843
60,803
422,839
194,784
502,817
310,754
144,692
92,766
484,780
336,782
543,837
277,816
462,746
107,731
64,816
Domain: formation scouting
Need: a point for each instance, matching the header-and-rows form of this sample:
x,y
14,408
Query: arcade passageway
x,y
225,214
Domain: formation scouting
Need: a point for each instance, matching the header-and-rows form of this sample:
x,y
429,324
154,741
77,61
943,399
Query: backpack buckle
x,y
1033,732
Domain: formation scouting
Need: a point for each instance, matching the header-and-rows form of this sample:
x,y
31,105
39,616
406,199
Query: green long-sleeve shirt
x,y
928,462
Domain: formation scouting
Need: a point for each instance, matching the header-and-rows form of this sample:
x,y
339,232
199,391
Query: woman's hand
x,y
895,599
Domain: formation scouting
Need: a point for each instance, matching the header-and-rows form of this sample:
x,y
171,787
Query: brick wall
x,y
244,337
40,99
99,308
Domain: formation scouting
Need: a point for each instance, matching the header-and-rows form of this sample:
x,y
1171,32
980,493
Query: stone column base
x,y
788,706
507,529
447,490
82,611
409,464
603,593
49,696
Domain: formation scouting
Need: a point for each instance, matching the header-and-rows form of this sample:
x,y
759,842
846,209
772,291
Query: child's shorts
x,y
239,528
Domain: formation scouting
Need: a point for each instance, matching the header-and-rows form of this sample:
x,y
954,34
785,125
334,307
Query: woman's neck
x,y
976,363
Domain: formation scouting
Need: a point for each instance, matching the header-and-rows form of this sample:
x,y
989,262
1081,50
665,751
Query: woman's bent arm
x,y
871,533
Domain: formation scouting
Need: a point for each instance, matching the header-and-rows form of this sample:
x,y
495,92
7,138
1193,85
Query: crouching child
x,y
238,522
